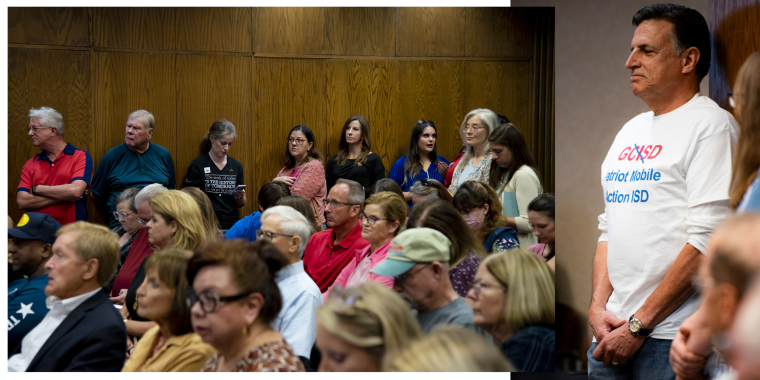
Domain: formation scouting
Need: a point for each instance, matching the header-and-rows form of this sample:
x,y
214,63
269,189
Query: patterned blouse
x,y
269,357
463,274
481,173
310,183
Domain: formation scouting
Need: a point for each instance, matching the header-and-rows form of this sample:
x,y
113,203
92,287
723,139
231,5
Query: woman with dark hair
x,y
541,216
421,160
355,160
466,250
514,178
303,171
481,209
387,184
269,195
218,175
423,190
745,177
301,205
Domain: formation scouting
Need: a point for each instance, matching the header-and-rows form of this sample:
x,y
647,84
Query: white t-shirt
x,y
665,181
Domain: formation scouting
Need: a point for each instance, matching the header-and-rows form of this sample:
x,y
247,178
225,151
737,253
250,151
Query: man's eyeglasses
x,y
209,300
332,203
120,215
477,286
268,234
142,221
36,129
296,141
371,220
404,278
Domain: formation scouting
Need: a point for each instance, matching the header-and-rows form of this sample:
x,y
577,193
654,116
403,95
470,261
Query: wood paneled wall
x,y
269,69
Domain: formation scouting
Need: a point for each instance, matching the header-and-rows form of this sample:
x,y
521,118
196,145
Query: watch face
x,y
635,325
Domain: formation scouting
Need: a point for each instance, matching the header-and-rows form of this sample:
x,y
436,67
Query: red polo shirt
x,y
72,164
138,251
323,260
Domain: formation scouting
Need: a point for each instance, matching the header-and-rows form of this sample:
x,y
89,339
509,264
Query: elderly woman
x,y
384,214
355,159
234,300
513,299
126,214
210,222
466,250
428,189
171,346
304,172
541,216
475,164
218,175
358,326
481,209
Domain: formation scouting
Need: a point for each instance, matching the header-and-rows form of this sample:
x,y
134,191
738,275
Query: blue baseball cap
x,y
36,226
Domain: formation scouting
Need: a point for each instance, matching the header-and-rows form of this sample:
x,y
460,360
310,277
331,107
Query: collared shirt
x,y
32,342
71,165
300,298
323,260
184,353
26,307
122,168
362,275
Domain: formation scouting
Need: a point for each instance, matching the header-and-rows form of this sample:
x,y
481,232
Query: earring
x,y
246,329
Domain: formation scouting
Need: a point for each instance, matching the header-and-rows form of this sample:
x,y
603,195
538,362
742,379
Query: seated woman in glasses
x,y
481,209
355,159
126,214
304,172
358,326
384,214
171,346
513,299
425,189
421,160
234,300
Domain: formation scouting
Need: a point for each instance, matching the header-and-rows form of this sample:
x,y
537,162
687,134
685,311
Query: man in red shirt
x,y
330,250
53,182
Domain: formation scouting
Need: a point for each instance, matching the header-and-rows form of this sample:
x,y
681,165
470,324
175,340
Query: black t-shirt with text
x,y
217,184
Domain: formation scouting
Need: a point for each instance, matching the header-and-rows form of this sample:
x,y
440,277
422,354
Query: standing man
x,y
136,163
665,180
54,181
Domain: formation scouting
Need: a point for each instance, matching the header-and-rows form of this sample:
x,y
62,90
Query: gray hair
x,y
49,118
147,193
430,191
222,127
292,223
355,191
149,121
128,195
490,121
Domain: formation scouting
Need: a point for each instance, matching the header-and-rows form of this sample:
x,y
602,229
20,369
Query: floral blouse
x,y
481,173
269,357
463,275
501,240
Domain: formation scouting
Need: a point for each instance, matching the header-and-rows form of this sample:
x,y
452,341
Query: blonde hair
x,y
180,207
393,207
448,349
530,287
210,222
369,316
95,242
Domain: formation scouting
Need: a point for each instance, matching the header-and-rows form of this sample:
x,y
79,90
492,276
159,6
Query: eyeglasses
x,y
329,202
477,286
474,128
119,215
296,141
731,101
36,129
427,183
142,221
371,220
268,234
209,300
404,278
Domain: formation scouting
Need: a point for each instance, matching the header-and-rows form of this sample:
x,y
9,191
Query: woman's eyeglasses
x,y
296,141
209,300
120,215
478,286
371,220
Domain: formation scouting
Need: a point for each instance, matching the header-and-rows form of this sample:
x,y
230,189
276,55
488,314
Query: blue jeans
x,y
650,362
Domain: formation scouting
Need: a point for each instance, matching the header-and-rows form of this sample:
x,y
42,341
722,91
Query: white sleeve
x,y
603,227
527,187
702,220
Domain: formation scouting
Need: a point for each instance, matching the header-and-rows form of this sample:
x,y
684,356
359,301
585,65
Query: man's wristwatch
x,y
636,328
33,190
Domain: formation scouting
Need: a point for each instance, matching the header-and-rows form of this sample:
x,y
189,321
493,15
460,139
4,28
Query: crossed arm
x,y
48,195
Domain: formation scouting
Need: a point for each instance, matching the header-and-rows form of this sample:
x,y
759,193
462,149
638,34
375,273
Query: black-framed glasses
x,y
268,234
477,286
427,183
333,203
371,220
405,277
209,300
119,215
296,141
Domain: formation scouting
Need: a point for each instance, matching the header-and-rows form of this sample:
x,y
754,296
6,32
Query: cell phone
x,y
237,188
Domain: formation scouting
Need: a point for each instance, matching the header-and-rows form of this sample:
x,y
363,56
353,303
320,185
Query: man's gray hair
x,y
128,195
419,189
148,120
49,118
355,191
148,192
292,222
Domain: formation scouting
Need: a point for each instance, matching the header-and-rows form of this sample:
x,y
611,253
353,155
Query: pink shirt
x,y
310,184
374,259
538,249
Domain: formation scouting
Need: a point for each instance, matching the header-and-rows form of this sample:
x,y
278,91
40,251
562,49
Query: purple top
x,y
538,249
464,274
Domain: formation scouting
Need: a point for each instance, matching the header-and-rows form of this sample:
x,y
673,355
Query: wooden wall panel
x,y
214,29
210,88
500,32
54,78
48,26
431,32
334,31
134,28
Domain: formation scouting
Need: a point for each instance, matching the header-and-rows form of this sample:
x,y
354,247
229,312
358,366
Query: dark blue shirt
x,y
26,308
531,349
397,174
122,168
245,228
501,239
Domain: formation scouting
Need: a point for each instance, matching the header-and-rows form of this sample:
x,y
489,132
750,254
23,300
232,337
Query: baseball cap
x,y
416,245
36,226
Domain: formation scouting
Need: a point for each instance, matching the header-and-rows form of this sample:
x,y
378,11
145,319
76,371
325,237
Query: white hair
x,y
148,120
148,192
49,118
490,121
292,222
